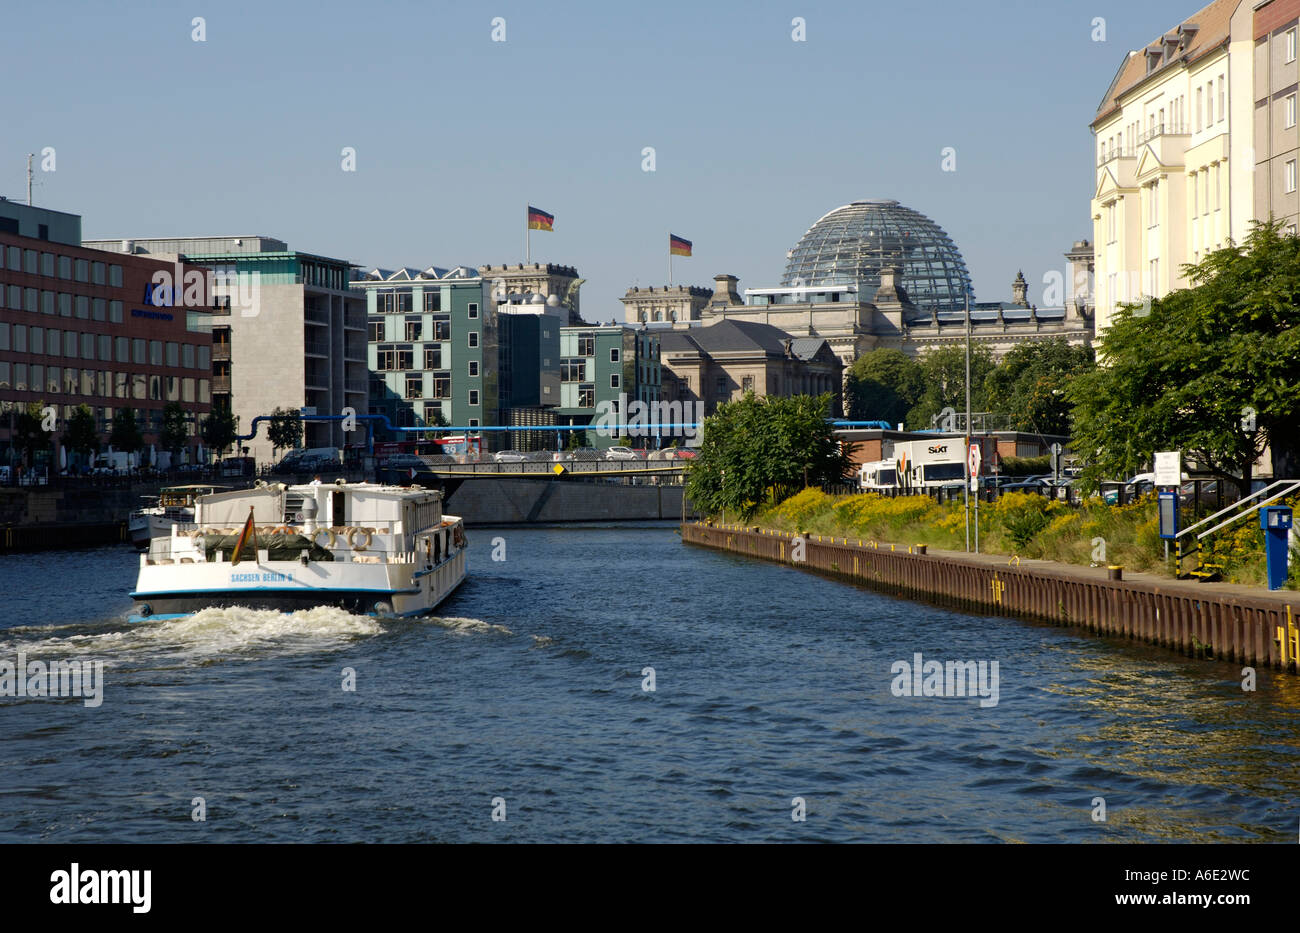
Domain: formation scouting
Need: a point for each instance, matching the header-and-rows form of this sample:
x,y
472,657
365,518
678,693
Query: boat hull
x,y
287,586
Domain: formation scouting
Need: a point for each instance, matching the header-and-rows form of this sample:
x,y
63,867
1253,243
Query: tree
x,y
1187,374
285,429
944,372
125,433
218,429
883,385
576,439
80,436
174,428
757,450
30,435
1028,387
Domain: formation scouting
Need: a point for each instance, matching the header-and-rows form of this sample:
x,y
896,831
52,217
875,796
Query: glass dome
x,y
849,246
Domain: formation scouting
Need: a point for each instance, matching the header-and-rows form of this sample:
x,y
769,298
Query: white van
x,y
878,476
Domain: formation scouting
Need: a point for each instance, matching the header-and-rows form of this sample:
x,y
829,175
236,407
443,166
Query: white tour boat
x,y
370,549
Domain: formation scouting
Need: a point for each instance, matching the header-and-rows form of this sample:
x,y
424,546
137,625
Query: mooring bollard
x,y
1114,572
920,548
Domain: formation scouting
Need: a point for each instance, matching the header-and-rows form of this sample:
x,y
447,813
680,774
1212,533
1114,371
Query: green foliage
x,y
1029,386
174,427
883,385
125,433
944,373
576,439
1026,466
218,428
81,436
757,450
285,429
1178,377
30,435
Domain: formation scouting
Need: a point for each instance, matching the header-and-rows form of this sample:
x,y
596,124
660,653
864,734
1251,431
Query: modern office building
x,y
79,326
1176,150
1277,136
433,347
723,361
602,368
290,332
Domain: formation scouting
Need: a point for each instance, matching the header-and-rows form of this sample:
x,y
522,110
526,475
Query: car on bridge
x,y
509,456
622,453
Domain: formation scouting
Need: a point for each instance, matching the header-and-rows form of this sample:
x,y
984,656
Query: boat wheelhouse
x,y
367,548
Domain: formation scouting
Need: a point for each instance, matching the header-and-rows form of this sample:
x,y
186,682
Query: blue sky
x,y
755,135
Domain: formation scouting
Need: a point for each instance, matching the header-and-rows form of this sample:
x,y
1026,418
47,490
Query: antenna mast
x,y
30,156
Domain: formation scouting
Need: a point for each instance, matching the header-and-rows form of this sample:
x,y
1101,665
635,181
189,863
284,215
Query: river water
x,y
526,697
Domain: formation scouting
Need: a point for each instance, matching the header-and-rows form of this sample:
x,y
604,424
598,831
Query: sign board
x,y
973,463
1169,468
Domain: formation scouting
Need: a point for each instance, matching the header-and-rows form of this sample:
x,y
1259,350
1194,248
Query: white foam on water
x,y
463,626
212,632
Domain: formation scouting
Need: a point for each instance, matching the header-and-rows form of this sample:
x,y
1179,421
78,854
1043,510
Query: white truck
x,y
931,463
879,476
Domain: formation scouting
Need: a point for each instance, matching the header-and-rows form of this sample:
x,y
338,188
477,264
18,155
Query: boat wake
x,y
463,626
209,633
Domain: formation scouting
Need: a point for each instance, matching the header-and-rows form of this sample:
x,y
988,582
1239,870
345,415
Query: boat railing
x,y
376,542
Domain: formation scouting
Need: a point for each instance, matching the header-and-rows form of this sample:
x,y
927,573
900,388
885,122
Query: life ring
x,y
330,538
356,533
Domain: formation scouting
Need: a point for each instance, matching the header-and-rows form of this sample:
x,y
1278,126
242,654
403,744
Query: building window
x,y
433,357
722,385
47,264
97,273
1290,45
1153,205
442,328
1153,277
1200,107
114,312
442,386
376,330
414,387
115,276
65,267
473,422
1223,106
572,370
432,299
1290,111
473,367
586,396
414,330
586,345
403,302
473,339
473,310
473,396
613,380
1290,176
82,270
747,384
1209,104
613,354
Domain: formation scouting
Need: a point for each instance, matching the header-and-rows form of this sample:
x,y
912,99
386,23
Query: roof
x,y
411,274
1201,33
737,336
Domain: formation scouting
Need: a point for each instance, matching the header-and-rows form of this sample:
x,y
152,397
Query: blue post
x,y
1276,522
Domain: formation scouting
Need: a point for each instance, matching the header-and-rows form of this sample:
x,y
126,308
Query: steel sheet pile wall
x,y
1240,629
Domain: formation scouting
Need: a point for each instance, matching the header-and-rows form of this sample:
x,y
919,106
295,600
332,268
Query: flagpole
x,y
528,236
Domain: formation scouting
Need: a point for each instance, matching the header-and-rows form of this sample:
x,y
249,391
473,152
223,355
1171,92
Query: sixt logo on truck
x,y
937,449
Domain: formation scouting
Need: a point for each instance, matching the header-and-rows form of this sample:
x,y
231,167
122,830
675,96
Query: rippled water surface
x,y
770,684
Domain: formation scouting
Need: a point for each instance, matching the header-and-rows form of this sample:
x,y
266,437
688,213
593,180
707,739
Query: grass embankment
x,y
1021,524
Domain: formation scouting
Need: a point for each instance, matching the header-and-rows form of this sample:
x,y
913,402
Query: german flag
x,y
540,220
677,246
243,539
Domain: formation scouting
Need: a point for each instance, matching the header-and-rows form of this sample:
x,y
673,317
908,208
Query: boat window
x,y
338,509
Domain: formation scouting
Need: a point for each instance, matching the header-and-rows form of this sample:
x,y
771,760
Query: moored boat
x,y
367,548
173,504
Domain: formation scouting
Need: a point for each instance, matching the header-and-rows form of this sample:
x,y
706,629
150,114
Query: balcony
x,y
221,385
316,347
